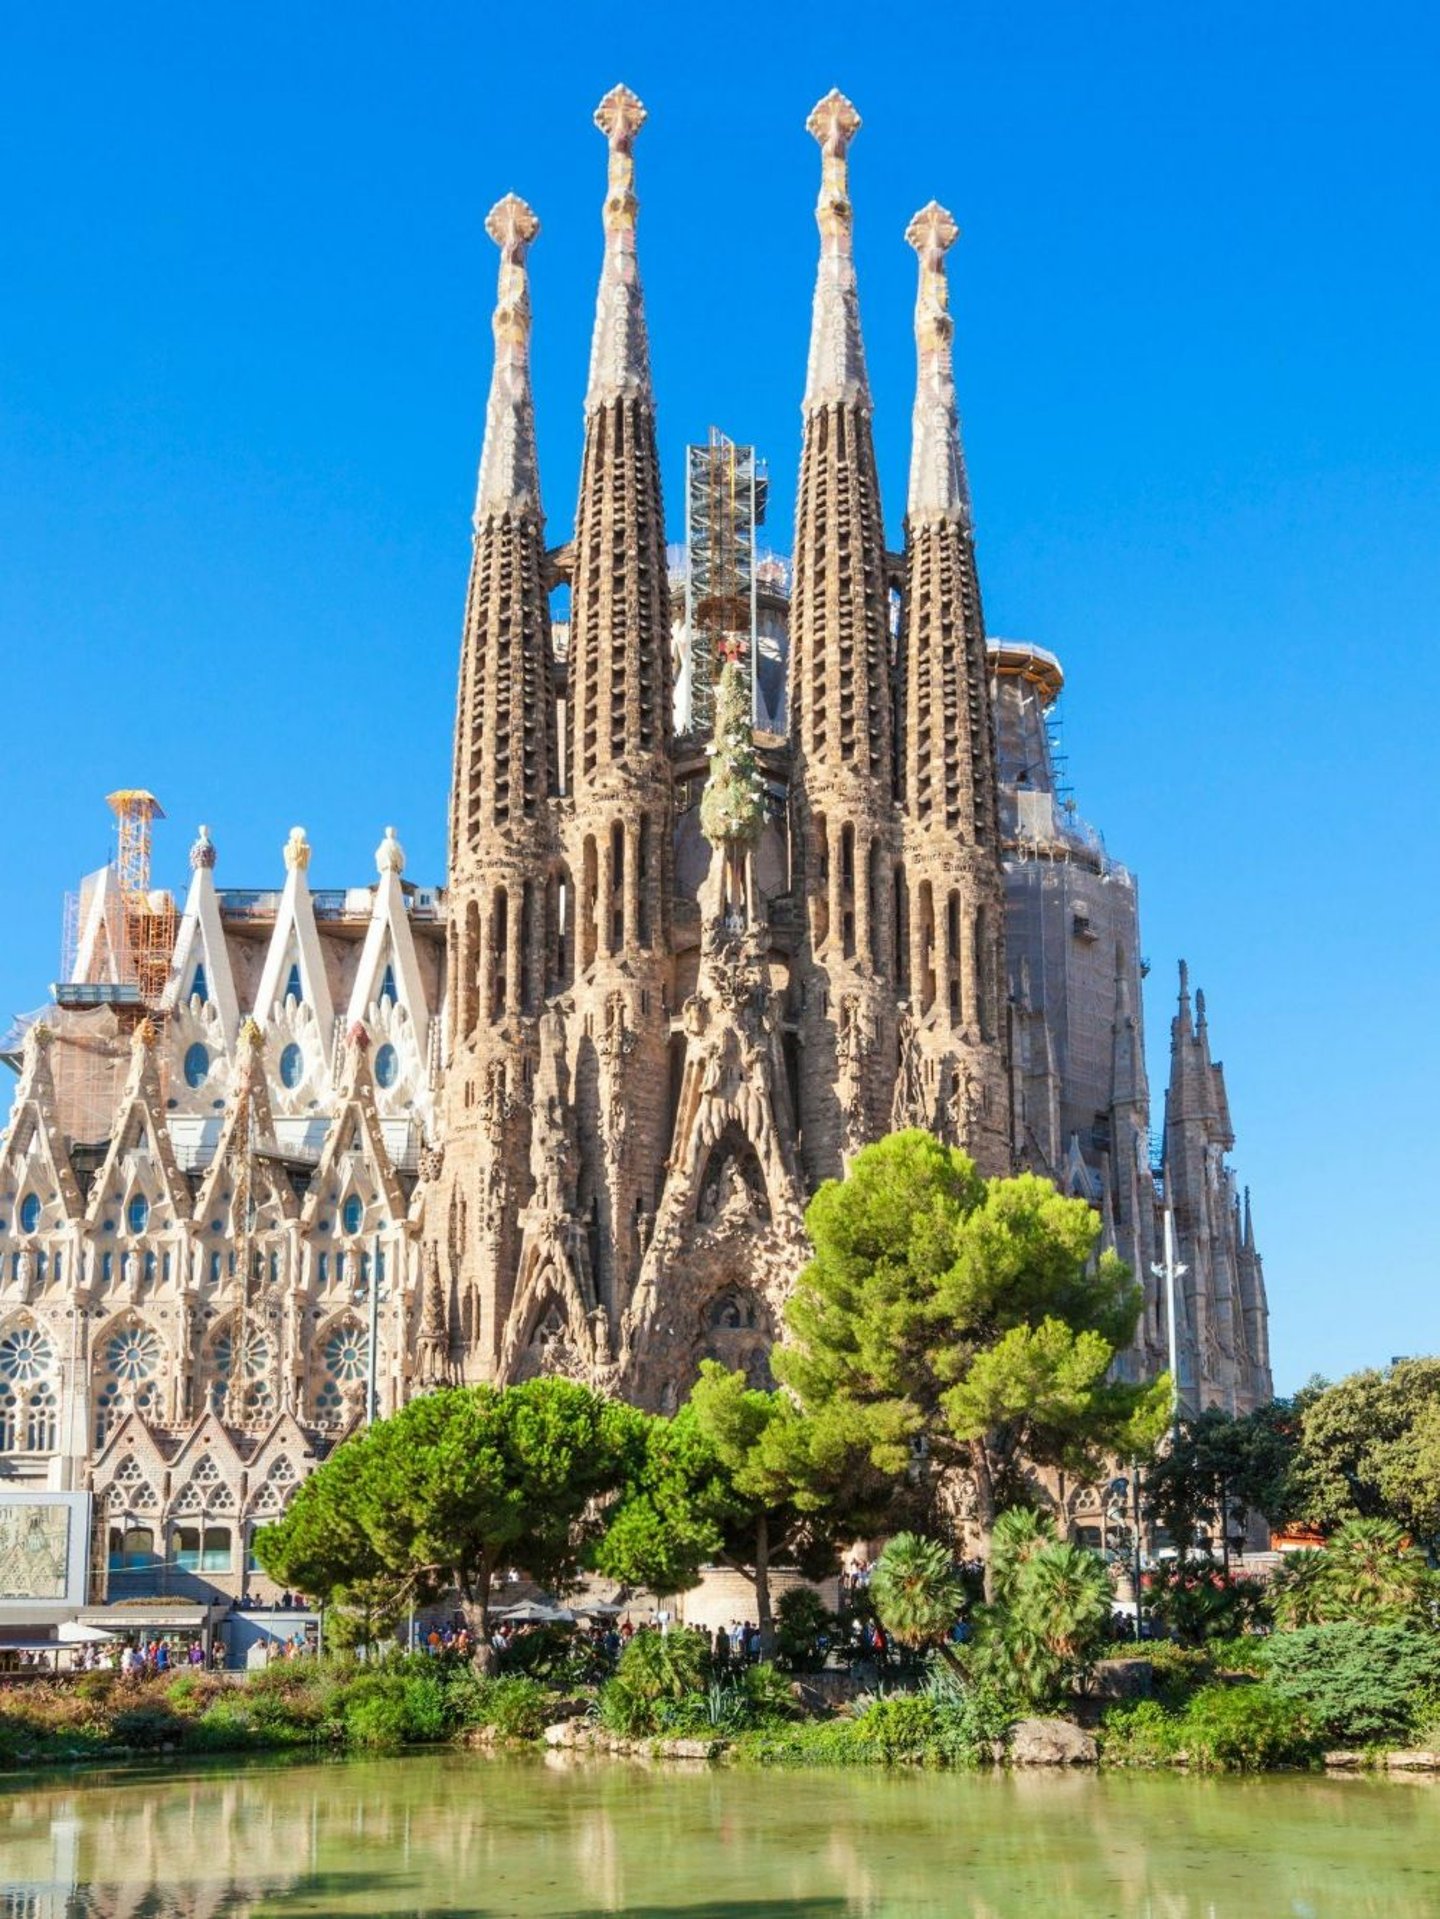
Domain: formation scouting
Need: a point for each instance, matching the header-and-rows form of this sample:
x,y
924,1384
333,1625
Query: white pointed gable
x,y
294,956
97,960
200,968
389,969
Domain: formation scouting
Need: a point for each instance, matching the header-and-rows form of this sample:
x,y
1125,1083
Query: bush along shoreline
x,y
1345,1694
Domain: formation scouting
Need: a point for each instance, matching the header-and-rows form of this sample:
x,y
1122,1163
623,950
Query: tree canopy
x,y
452,1489
1220,1467
972,1313
1369,1448
746,1478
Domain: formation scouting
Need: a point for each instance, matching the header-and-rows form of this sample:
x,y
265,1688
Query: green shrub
x,y
147,1726
225,1726
623,1711
667,1665
1360,1685
1142,1734
767,1693
516,1706
803,1621
377,1720
1246,1728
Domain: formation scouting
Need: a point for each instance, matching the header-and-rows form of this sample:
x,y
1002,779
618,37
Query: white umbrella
x,y
72,1632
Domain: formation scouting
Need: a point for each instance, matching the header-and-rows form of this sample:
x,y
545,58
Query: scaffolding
x,y
725,495
147,919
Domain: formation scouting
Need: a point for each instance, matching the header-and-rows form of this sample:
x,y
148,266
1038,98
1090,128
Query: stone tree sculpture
x,y
732,808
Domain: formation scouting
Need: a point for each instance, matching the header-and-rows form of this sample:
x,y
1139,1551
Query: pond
x,y
518,1836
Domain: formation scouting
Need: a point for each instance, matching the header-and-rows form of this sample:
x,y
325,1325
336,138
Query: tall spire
x,y
619,348
505,725
840,642
948,763
509,467
938,488
836,369
619,694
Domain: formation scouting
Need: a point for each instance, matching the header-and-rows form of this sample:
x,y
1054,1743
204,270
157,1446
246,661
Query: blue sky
x,y
244,345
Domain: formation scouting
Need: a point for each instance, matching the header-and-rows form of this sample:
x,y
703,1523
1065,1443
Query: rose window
x,y
25,1355
347,1354
133,1355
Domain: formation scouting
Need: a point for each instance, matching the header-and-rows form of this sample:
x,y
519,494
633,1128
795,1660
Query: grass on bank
x,y
1247,1705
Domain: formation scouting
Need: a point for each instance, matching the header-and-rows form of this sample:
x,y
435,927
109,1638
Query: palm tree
x,y
917,1592
1303,1593
1065,1600
1374,1571
1019,1534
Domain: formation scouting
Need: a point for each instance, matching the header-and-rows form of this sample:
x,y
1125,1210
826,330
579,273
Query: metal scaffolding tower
x,y
725,494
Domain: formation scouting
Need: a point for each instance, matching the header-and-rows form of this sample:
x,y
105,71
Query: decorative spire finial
x,y
390,854
252,1039
297,851
509,467
202,853
938,488
619,350
836,370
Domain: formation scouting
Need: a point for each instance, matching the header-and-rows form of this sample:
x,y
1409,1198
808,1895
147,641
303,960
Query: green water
x,y
476,1835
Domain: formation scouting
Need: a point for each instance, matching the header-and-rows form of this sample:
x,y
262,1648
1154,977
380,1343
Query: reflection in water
x,y
506,1838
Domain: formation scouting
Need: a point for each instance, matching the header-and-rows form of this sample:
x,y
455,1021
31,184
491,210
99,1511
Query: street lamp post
x,y
374,1293
1170,1272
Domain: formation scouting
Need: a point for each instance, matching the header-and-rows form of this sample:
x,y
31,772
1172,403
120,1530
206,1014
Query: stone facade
x,y
567,1115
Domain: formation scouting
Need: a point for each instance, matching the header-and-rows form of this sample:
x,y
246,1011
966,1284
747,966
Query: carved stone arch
x,y
252,1400
29,1386
732,1183
133,1370
207,1489
338,1368
736,1328
276,1488
549,1331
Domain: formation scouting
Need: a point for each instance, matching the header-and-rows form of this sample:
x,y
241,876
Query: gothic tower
x,y
502,912
844,832
953,1072
619,811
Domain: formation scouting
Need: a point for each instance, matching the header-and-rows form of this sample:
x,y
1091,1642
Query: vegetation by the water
x,y
946,1327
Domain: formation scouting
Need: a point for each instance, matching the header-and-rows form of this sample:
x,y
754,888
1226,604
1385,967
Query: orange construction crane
x,y
149,939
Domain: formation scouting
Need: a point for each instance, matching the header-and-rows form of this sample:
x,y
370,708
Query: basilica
x,y
280,1158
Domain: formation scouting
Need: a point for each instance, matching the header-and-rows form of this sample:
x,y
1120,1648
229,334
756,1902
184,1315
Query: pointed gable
x,y
140,1164
249,1125
33,1160
200,968
294,964
388,976
355,1160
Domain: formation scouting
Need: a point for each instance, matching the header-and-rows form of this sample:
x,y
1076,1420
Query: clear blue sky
x,y
244,344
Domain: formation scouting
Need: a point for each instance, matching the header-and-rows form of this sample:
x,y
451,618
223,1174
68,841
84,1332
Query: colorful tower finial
x,y
836,370
509,468
938,488
619,351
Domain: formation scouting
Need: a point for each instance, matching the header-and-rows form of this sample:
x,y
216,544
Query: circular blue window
x,y
197,1064
29,1213
352,1213
387,1065
292,1065
137,1213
